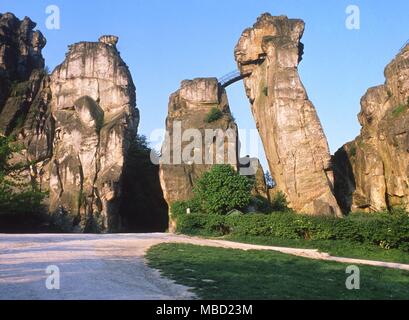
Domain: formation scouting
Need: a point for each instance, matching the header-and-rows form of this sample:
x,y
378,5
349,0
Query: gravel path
x,y
107,267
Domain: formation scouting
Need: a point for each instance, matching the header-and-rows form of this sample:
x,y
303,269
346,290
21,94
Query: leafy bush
x,y
221,190
205,225
22,198
24,202
5,152
214,115
279,203
261,205
180,208
382,229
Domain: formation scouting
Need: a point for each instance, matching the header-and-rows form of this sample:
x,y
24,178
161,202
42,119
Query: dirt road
x,y
106,267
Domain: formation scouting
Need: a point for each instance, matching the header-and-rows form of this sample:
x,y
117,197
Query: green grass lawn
x,y
216,273
337,248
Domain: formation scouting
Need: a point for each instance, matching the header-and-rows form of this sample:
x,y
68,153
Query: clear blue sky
x,y
166,41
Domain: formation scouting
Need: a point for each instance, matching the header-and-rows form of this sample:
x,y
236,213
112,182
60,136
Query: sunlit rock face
x,y
268,55
94,107
74,129
372,172
184,161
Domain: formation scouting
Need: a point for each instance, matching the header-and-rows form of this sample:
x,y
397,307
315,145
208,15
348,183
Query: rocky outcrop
x,y
77,129
93,104
24,98
268,55
372,172
194,143
20,48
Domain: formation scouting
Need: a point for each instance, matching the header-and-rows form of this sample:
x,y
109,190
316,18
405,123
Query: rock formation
x,y
297,150
75,126
372,172
24,97
93,104
187,154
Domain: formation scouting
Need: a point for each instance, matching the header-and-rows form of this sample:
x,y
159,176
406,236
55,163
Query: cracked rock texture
x,y
183,163
94,106
268,55
74,126
24,97
372,171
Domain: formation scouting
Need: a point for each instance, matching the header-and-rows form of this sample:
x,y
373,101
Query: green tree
x,y
16,198
279,203
221,190
5,152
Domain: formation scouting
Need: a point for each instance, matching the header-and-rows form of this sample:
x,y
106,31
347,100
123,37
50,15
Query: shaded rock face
x,y
143,207
93,104
372,171
182,161
20,47
268,55
25,96
252,168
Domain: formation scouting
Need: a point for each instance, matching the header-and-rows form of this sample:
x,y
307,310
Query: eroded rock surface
x,y
184,161
372,172
268,55
24,98
93,103
78,132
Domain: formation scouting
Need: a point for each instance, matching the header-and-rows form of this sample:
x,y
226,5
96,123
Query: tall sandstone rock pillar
x,y
372,172
94,107
268,55
193,144
76,134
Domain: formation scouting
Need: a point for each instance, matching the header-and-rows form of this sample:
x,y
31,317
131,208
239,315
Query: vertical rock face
x,y
93,104
372,171
297,150
77,129
25,95
187,154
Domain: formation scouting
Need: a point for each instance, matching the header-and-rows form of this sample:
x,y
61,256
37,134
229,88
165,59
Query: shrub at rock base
x,y
218,192
383,229
221,190
20,202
